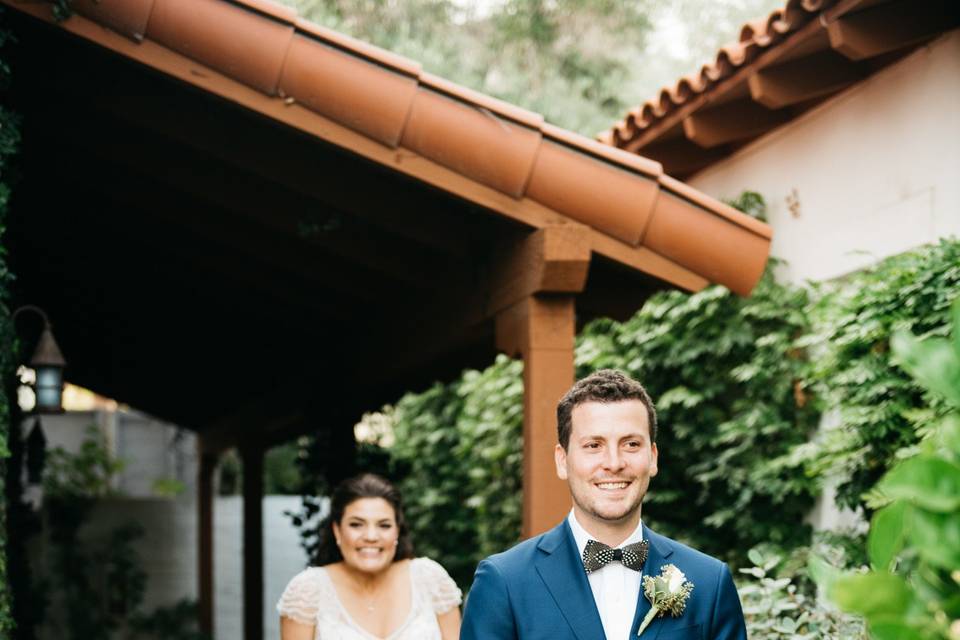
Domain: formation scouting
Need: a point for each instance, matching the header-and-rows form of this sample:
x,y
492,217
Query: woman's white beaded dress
x,y
310,598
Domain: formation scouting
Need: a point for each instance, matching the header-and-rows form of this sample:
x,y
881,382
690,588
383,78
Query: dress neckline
x,y
356,625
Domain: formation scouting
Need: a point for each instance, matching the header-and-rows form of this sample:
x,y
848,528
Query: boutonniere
x,y
667,593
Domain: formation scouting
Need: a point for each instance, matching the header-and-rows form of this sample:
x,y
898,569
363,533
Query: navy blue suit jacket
x,y
538,590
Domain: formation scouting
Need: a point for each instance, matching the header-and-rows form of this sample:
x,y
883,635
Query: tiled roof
x,y
780,64
384,107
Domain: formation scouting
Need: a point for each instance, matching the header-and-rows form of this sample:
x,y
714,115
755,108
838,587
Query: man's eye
x,y
593,445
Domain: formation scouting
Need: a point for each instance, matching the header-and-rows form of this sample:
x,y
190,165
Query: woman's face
x,y
367,534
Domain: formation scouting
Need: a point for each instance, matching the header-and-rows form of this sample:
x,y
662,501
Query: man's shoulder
x,y
525,551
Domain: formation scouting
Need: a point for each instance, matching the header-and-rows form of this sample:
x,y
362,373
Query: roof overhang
x,y
782,65
226,247
385,108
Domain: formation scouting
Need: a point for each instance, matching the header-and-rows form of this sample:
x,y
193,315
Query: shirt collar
x,y
581,536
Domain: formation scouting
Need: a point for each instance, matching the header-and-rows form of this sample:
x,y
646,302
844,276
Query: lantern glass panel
x,y
48,397
48,377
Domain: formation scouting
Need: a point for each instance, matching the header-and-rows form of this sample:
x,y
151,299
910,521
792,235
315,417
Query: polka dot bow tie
x,y
597,555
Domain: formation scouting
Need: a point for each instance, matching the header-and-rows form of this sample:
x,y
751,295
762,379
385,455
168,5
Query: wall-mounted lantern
x,y
48,362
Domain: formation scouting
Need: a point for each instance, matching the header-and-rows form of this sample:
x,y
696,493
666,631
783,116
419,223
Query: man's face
x,y
608,462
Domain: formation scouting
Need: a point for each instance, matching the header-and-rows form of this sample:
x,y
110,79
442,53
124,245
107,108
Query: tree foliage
x,y
566,59
580,63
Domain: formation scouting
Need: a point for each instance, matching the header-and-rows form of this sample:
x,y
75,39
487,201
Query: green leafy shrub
x,y
912,591
459,450
880,409
776,607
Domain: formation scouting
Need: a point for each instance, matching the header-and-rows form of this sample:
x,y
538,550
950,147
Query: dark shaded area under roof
x,y
212,267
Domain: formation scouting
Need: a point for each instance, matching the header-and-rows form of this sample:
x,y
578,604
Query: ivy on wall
x,y
878,408
9,141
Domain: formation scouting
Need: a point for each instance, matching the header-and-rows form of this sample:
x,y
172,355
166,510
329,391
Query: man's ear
x,y
654,454
560,457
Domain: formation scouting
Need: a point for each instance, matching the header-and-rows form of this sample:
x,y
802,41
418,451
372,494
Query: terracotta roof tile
x,y
755,36
656,119
386,108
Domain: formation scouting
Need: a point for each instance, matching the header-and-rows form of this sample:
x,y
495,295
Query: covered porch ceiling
x,y
254,252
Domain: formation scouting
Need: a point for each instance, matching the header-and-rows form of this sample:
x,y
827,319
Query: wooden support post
x,y
541,328
205,591
533,298
252,543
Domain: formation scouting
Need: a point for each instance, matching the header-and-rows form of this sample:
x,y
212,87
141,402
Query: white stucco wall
x,y
154,449
168,554
874,171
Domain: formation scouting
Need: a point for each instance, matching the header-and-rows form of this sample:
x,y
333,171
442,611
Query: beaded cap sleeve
x,y
302,597
434,581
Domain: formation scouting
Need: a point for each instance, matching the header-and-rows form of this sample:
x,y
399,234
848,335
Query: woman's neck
x,y
364,581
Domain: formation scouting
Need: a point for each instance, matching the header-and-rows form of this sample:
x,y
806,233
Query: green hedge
x,y
879,409
9,140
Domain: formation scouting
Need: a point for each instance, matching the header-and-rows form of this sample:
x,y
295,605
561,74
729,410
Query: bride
x,y
368,585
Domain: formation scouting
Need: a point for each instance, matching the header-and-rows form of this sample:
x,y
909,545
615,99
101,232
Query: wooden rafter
x,y
798,80
891,26
731,122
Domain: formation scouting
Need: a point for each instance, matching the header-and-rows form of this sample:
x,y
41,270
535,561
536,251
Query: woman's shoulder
x,y
304,595
434,580
427,568
310,579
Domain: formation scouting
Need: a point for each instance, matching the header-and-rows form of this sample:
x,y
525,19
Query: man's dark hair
x,y
605,385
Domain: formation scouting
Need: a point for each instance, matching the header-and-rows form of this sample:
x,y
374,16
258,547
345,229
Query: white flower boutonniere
x,y
667,593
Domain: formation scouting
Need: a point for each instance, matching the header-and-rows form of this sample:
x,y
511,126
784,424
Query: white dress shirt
x,y
615,587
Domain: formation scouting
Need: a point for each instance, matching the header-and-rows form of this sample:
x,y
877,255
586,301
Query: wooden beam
x,y
891,26
731,122
554,259
680,157
804,78
541,329
252,543
205,548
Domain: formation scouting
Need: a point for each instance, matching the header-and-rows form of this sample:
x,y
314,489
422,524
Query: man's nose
x,y
614,459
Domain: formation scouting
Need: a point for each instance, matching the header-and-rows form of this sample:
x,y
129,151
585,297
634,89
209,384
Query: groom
x,y
583,580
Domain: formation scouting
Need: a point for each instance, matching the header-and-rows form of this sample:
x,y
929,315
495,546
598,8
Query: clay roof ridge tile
x,y
359,48
269,9
610,155
482,101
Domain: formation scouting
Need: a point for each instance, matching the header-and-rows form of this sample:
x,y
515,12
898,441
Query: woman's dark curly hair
x,y
365,485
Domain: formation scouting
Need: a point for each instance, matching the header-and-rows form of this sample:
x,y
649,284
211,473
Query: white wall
x,y
168,554
168,550
875,170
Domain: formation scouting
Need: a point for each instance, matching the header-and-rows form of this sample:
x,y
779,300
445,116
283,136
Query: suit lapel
x,y
656,558
561,570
